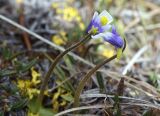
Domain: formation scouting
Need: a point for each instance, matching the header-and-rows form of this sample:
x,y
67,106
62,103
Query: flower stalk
x,y
53,65
88,76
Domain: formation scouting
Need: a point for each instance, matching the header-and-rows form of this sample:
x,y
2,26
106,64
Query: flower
x,y
100,26
100,23
105,51
26,88
61,98
29,87
35,76
112,37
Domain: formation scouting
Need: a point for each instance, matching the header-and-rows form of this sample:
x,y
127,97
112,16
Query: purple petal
x,y
92,22
114,39
89,27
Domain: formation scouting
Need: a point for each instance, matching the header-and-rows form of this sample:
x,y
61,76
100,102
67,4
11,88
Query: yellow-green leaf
x,y
119,53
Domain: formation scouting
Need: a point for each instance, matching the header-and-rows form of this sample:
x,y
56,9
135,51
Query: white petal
x,y
106,27
106,14
95,15
98,36
108,35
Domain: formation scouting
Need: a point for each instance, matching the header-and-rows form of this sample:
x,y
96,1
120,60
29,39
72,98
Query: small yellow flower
x,y
70,13
59,11
58,40
19,1
55,100
59,101
31,114
55,5
63,103
35,76
28,87
104,51
63,34
21,84
107,53
32,92
81,25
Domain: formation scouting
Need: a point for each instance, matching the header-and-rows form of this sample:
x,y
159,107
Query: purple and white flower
x,y
112,37
100,22
100,27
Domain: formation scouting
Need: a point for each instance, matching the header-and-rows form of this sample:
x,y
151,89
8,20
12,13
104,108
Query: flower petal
x,y
113,39
92,22
107,15
106,27
98,36
95,15
100,23
114,31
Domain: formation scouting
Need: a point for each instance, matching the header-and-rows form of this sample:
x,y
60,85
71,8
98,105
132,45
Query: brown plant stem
x,y
26,38
53,65
88,76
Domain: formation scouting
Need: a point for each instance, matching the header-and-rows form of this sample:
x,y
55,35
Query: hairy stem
x,y
53,65
88,76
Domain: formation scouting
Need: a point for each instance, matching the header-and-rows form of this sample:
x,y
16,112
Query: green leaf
x,y
46,112
19,104
35,108
100,81
119,53
7,54
12,90
1,113
7,72
69,64
60,73
117,109
24,67
67,97
154,78
34,105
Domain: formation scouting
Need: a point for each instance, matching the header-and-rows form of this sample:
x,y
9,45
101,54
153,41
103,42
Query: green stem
x,y
53,65
88,76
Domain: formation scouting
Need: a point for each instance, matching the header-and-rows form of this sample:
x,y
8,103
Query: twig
x,y
133,60
120,88
24,34
98,95
102,106
81,108
145,85
140,104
